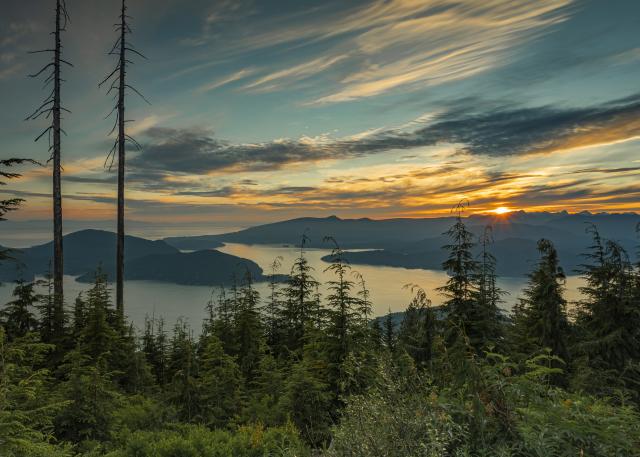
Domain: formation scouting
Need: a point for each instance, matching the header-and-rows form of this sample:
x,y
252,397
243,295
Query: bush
x,y
397,418
571,424
141,413
198,441
504,414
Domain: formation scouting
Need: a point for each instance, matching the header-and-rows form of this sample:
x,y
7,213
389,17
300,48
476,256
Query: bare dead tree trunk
x,y
117,79
121,152
58,265
52,108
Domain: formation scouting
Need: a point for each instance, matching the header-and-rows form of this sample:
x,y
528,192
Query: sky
x,y
266,110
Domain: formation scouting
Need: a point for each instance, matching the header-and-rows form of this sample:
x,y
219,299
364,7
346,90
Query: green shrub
x,y
399,417
198,441
503,414
570,424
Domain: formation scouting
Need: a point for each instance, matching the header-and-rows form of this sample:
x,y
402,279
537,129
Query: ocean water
x,y
172,301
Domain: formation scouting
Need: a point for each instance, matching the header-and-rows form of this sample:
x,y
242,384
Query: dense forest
x,y
296,373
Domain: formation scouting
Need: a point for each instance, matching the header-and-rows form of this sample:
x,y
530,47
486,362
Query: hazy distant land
x,y
406,243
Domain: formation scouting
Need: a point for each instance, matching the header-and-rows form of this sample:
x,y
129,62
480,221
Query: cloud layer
x,y
492,132
524,107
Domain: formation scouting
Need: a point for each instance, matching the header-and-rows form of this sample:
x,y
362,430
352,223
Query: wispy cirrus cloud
x,y
233,77
384,45
277,80
220,12
365,49
445,42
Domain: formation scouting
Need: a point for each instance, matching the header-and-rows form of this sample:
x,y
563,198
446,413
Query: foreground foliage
x,y
192,440
511,415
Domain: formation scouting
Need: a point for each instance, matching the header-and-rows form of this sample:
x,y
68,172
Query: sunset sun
x,y
502,210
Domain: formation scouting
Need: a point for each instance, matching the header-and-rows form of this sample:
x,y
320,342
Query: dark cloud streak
x,y
496,132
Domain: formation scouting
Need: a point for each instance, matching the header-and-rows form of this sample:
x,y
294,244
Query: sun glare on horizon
x,y
502,210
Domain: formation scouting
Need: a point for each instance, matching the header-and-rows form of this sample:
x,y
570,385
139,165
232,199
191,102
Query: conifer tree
x,y
344,336
161,360
182,373
487,294
248,329
9,204
27,407
207,324
52,317
376,334
540,318
463,316
91,399
389,333
308,401
609,317
364,306
222,325
300,306
219,385
266,393
98,337
418,329
130,369
343,311
79,317
273,308
155,348
17,316
103,337
368,330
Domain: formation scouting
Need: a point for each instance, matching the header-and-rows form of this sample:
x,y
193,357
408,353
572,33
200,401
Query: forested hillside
x,y
299,374
147,259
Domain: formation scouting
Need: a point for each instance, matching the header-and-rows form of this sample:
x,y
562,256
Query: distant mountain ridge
x,y
370,233
417,243
407,243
